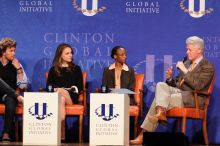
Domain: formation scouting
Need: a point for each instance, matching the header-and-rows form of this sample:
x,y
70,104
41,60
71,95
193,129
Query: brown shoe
x,y
162,119
5,138
138,140
159,117
161,114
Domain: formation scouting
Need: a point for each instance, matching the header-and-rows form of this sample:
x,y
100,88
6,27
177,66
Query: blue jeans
x,y
10,101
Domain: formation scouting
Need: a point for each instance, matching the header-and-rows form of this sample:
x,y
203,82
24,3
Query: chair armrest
x,y
196,100
196,92
84,100
201,92
141,96
141,91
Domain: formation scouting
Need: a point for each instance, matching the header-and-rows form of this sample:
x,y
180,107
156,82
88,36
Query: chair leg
x,y
135,126
204,129
178,124
16,128
63,130
22,123
81,128
184,125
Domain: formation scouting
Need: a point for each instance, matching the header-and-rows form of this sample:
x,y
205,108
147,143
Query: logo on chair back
x,y
39,111
106,112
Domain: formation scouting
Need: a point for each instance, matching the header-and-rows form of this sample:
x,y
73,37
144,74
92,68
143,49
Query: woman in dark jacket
x,y
119,75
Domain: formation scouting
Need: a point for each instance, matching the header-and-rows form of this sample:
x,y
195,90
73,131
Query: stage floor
x,y
62,144
68,144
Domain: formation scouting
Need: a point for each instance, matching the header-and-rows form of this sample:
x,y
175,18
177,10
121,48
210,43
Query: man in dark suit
x,y
195,74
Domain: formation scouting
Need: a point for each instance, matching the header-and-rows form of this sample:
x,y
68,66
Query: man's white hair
x,y
196,41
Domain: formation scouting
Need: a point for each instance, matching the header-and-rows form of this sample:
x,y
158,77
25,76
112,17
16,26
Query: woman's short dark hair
x,y
114,50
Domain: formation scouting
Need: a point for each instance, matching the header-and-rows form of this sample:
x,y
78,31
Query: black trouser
x,y
10,101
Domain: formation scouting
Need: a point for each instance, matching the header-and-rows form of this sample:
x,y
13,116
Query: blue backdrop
x,y
152,31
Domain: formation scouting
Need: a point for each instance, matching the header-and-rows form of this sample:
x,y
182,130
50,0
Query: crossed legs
x,y
10,99
65,99
166,97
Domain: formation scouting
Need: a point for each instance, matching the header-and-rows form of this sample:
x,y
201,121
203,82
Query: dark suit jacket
x,y
127,79
198,79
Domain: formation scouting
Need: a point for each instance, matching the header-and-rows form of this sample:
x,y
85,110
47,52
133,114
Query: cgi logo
x,y
154,69
39,111
84,6
191,8
106,112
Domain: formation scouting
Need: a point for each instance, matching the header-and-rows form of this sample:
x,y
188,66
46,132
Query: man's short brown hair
x,y
6,43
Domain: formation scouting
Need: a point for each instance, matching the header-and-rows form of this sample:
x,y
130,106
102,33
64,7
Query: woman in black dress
x,y
65,77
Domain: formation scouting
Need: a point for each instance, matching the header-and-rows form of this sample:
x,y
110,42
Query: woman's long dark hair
x,y
57,61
